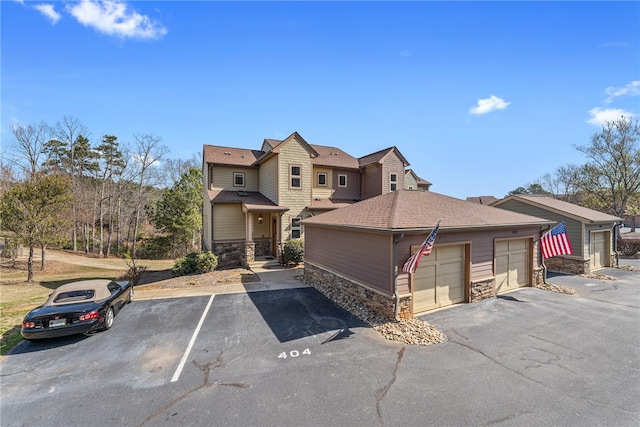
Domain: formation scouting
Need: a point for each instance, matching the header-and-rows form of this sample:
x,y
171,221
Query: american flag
x,y
556,242
425,249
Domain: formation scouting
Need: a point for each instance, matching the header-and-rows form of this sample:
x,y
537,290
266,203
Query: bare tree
x,y
148,152
28,145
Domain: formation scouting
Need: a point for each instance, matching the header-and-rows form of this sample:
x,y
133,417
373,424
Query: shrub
x,y
195,263
293,251
629,247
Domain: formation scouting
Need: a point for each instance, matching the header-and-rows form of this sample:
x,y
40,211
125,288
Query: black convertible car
x,y
77,308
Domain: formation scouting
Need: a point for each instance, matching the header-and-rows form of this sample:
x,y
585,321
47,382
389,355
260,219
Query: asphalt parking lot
x,y
291,357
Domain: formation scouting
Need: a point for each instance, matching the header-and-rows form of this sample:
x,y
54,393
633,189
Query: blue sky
x,y
480,97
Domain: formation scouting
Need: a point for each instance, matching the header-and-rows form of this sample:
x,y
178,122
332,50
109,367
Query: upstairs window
x,y
295,228
322,180
342,180
238,179
393,179
295,176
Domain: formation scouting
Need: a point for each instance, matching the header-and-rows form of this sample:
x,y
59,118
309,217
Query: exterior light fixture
x,y
260,218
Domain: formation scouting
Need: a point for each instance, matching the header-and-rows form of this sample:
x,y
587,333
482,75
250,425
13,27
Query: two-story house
x,y
254,199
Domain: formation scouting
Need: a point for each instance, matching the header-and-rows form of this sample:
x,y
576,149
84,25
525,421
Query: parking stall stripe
x,y
176,375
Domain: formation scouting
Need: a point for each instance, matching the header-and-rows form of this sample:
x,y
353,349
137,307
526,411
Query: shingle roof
x,y
571,209
327,204
334,157
252,200
482,200
379,155
412,210
230,156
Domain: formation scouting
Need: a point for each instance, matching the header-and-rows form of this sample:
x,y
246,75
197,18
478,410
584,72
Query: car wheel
x,y
108,319
130,295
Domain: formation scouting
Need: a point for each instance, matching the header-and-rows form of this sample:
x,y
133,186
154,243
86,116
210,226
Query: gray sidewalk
x,y
270,279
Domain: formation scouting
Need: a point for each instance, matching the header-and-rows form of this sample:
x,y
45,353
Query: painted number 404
x,y
294,353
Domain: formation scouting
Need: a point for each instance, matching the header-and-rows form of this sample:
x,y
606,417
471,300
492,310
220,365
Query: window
x,y
295,176
342,180
238,179
322,180
394,181
295,227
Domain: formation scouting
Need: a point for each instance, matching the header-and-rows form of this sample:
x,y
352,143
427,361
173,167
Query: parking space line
x,y
176,375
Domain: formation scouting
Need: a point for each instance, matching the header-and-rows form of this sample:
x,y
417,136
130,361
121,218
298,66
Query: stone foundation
x,y
328,283
483,289
263,247
568,265
230,254
538,276
249,253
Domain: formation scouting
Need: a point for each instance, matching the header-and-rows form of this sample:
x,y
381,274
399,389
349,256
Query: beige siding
x,y
392,165
296,199
322,191
410,183
268,179
229,222
574,227
222,178
364,257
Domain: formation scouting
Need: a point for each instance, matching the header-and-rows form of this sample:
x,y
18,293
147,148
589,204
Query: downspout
x,y
396,295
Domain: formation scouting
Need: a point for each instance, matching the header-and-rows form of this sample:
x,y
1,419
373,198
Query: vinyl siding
x,y
574,227
482,247
324,191
222,178
293,198
342,252
372,181
268,179
392,164
229,222
410,183
352,190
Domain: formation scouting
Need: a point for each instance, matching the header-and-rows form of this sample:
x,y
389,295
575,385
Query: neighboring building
x,y
480,251
414,182
254,199
591,233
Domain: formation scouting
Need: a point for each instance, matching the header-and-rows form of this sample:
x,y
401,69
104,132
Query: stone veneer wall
x,y
562,264
483,289
230,254
328,282
263,247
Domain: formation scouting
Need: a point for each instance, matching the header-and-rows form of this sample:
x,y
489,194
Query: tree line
x,y
58,188
609,180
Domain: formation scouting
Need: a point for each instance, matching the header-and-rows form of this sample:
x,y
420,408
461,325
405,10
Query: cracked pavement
x,y
292,358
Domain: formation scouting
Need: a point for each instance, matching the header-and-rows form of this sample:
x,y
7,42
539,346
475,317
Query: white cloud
x,y
630,89
599,116
49,11
487,105
115,18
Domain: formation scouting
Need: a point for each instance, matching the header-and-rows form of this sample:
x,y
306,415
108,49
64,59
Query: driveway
x,y
293,358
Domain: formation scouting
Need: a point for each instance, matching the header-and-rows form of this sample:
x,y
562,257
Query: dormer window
x,y
295,176
393,179
238,179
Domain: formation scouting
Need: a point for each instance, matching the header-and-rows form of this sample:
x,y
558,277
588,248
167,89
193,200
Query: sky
x,y
479,97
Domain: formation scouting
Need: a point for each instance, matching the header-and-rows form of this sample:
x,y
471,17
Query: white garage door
x,y
440,278
512,264
599,249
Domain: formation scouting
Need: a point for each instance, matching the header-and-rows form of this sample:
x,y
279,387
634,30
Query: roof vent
x,y
227,153
243,193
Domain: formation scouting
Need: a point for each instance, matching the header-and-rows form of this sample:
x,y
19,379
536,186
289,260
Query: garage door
x,y
512,264
599,249
440,278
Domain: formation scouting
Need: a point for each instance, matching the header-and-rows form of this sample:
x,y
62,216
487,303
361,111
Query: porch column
x,y
249,245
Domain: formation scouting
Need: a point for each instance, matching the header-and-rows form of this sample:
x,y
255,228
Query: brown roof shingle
x,y
572,209
413,210
379,155
334,157
230,156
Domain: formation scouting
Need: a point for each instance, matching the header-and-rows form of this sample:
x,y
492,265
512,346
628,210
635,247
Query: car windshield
x,y
71,296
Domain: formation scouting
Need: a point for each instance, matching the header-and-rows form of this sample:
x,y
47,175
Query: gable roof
x,y
230,156
334,157
378,156
421,182
279,145
250,200
406,210
559,206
